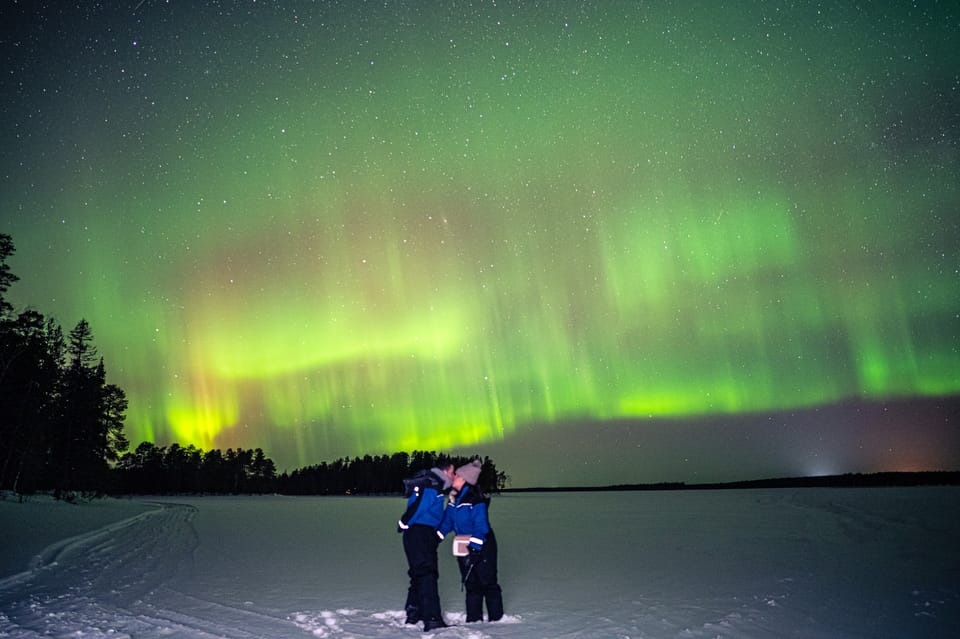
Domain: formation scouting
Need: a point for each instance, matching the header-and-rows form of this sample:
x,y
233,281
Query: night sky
x,y
605,242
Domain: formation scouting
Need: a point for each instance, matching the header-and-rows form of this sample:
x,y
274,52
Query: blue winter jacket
x,y
467,515
425,503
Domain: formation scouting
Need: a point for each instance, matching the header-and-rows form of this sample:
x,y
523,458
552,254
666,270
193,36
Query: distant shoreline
x,y
848,480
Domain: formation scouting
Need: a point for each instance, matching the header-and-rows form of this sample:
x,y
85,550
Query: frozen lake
x,y
879,562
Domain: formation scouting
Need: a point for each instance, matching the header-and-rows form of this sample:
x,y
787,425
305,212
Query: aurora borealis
x,y
340,228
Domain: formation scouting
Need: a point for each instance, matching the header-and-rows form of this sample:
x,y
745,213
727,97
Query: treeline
x,y
174,469
379,475
157,470
61,423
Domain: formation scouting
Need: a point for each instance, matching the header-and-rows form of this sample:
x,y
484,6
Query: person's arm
x,y
413,504
480,526
446,524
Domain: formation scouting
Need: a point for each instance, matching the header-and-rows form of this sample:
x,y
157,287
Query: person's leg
x,y
469,569
489,585
494,597
412,606
422,557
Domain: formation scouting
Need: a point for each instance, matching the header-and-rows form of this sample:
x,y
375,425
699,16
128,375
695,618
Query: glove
x,y
475,558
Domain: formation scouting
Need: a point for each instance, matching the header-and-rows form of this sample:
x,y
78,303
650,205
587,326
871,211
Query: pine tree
x,y
6,277
110,438
263,472
91,416
31,371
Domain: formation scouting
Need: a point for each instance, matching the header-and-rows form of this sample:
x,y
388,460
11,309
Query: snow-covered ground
x,y
754,563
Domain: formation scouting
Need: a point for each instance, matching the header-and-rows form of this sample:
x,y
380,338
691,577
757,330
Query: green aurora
x,y
333,229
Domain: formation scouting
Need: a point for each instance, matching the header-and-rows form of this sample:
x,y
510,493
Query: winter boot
x,y
434,624
494,599
413,614
474,606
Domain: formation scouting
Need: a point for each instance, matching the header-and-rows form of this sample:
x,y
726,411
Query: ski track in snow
x,y
105,584
95,584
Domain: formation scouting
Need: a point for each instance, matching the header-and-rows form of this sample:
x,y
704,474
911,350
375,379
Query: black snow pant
x,y
478,571
420,545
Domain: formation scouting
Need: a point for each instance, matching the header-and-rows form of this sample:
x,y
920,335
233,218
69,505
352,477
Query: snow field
x,y
811,563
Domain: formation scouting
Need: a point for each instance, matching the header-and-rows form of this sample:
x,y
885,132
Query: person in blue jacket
x,y
467,514
426,495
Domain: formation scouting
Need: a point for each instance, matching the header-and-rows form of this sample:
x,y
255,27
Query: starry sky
x,y
608,242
